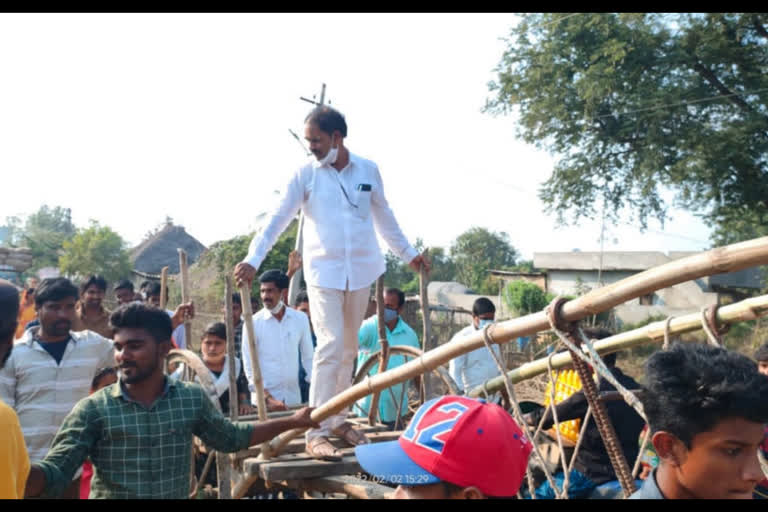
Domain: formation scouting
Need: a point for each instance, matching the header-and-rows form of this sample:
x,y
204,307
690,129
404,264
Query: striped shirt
x,y
139,452
42,392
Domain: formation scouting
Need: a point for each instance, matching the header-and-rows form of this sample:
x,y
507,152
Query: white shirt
x,y
473,368
280,344
179,332
42,392
340,244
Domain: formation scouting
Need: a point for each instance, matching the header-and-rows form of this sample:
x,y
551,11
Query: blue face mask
x,y
483,322
389,315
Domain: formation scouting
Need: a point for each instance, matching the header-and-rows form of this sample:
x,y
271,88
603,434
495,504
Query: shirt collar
x,y
118,390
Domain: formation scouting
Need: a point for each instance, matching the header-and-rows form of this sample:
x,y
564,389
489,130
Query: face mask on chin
x,y
275,310
389,315
330,158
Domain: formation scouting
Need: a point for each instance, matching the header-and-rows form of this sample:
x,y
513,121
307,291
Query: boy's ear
x,y
472,493
669,448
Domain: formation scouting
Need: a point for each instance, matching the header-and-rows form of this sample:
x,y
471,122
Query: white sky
x,y
125,118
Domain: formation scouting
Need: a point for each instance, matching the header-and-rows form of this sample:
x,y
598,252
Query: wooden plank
x,y
298,445
302,469
352,486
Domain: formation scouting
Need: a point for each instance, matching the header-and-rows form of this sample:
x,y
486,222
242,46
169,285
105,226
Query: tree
x,y
399,275
475,252
636,104
525,297
95,250
44,233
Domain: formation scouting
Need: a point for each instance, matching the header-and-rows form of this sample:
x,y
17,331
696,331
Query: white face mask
x,y
330,158
483,322
275,310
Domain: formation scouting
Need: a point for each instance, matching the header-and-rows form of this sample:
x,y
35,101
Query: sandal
x,y
322,449
350,435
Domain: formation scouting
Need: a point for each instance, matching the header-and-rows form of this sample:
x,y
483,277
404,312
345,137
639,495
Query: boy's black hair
x,y
216,329
761,354
301,297
691,387
483,306
94,280
399,293
124,284
140,316
103,372
237,299
53,289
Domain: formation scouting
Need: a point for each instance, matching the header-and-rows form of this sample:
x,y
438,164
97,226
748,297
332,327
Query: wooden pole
x,y
293,286
185,295
729,258
748,309
373,412
163,287
427,342
223,461
258,384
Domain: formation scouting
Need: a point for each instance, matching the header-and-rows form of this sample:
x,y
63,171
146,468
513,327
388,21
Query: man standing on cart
x,y
342,197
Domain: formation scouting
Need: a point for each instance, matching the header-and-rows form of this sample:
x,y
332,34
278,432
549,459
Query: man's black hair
x,y
237,299
218,329
483,306
94,280
103,372
761,354
399,293
54,289
691,387
600,333
140,316
275,276
328,120
124,284
301,297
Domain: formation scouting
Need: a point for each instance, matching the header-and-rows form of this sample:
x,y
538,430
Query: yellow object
x,y
14,461
567,383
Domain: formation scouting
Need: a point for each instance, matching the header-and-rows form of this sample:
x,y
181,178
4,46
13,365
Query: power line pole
x,y
293,287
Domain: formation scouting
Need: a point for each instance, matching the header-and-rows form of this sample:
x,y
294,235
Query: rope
x,y
518,415
581,436
589,388
646,438
705,324
566,475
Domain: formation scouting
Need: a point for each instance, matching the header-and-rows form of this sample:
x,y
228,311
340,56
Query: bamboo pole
x,y
163,287
185,296
373,412
223,461
293,286
258,384
748,309
729,258
427,342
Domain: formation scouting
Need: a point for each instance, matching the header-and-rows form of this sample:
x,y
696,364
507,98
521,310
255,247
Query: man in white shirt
x,y
474,368
342,197
282,334
51,368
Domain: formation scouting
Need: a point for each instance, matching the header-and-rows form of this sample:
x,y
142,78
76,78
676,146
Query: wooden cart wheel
x,y
410,397
188,367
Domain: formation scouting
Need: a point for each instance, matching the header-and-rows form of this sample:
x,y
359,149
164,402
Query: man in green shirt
x,y
398,333
138,431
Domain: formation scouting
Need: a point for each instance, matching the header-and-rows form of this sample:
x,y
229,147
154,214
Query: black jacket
x,y
592,459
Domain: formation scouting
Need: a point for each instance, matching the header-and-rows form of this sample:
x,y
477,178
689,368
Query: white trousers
x,y
336,319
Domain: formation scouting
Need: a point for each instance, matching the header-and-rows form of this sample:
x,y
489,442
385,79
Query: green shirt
x,y
138,452
396,396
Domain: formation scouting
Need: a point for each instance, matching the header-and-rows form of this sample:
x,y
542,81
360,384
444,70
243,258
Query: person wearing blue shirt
x,y
398,333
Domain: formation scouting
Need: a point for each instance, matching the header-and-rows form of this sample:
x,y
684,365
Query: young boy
x,y
454,447
761,355
707,410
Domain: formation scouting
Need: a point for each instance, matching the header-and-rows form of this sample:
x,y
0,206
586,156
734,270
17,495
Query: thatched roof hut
x,y
160,250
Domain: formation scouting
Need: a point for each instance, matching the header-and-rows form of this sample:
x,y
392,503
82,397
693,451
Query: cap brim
x,y
387,462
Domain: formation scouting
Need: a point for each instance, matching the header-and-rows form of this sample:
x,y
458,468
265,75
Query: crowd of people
x,y
87,408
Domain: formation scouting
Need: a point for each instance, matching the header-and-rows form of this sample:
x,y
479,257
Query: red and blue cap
x,y
454,439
